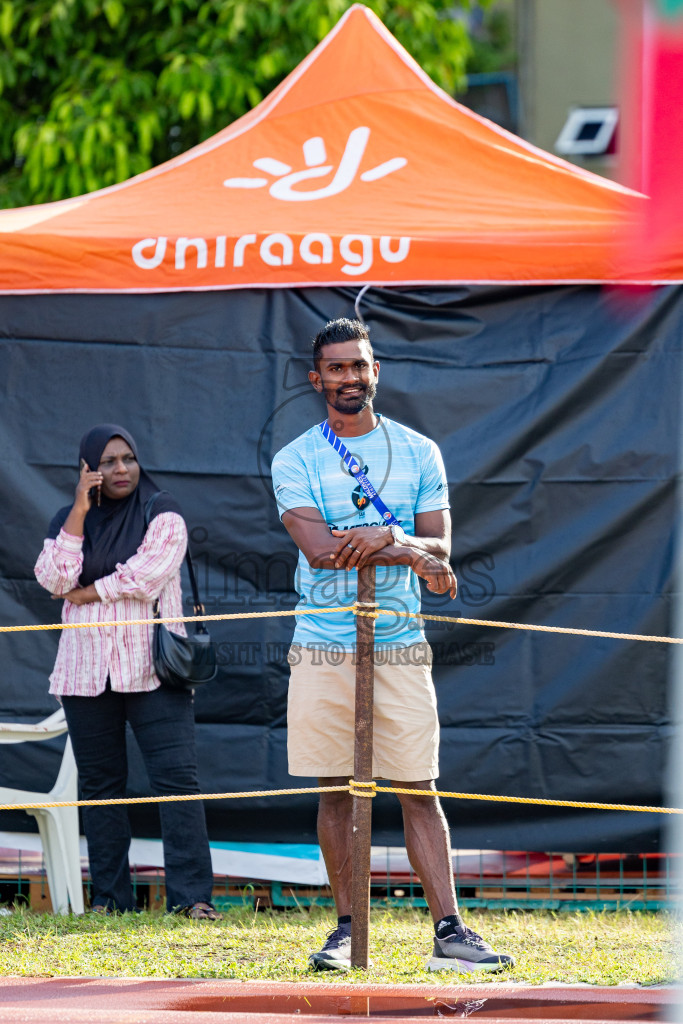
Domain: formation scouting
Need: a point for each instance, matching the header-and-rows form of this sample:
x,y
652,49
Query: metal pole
x,y
362,771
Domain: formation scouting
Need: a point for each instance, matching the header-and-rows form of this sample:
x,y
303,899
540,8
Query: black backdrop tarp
x,y
557,413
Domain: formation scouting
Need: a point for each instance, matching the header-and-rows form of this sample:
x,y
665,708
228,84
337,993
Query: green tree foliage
x,y
94,91
492,43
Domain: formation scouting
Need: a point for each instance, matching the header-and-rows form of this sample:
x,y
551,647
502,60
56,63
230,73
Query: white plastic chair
x,y
58,826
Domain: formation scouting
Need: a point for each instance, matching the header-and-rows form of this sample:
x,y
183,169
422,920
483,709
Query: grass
x,y
597,948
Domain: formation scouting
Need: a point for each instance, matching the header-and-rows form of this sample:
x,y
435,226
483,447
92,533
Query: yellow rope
x,y
496,624
177,618
368,789
362,789
584,804
356,609
168,799
360,606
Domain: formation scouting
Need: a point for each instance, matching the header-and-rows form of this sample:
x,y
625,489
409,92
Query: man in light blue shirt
x,y
338,529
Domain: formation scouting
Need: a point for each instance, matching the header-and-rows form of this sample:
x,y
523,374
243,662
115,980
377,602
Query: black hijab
x,y
114,529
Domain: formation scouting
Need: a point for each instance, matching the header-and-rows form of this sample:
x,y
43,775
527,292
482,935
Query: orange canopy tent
x,y
356,169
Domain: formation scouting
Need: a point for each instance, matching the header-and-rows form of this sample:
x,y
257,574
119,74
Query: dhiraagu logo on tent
x,y
354,253
315,157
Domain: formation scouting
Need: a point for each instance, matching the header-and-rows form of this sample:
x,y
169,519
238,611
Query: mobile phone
x,y
94,492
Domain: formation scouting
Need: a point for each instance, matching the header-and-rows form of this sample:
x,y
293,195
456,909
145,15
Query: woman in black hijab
x,y
108,565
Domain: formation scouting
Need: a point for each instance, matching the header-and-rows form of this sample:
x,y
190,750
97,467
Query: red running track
x,y
197,1001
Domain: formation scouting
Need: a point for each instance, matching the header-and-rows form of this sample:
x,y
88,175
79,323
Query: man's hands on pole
x,y
357,546
426,552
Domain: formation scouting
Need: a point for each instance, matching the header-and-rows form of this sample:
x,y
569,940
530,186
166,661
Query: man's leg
x,y
429,848
334,836
456,947
320,733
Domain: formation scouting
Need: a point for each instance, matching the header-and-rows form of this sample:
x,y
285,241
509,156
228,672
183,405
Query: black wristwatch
x,y
398,533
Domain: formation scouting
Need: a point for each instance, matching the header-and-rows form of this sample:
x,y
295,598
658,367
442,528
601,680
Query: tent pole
x,y
362,772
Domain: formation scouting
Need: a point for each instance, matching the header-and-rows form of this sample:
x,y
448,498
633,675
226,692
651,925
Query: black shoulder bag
x,y
182,662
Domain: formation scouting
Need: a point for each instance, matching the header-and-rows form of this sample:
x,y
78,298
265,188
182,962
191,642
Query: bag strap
x,y
196,603
352,465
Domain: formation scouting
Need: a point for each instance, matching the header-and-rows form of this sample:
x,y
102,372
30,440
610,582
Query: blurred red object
x,y
651,91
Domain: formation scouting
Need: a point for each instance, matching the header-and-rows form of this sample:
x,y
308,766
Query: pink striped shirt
x,y
87,656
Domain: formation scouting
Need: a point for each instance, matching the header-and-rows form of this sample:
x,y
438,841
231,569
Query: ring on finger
x,y
351,546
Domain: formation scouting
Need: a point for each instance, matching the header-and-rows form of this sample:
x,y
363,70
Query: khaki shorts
x,y
320,714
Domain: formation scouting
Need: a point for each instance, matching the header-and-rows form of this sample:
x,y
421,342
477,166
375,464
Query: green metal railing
x,y
516,880
553,881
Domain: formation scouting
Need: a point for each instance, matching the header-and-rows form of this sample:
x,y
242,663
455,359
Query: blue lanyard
x,y
356,471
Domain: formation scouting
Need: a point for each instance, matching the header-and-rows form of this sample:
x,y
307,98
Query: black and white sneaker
x,y
464,950
336,953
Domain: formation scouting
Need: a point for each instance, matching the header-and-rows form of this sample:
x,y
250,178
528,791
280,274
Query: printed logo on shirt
x,y
359,498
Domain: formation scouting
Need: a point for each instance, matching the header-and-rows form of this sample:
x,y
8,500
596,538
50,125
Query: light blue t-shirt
x,y
408,472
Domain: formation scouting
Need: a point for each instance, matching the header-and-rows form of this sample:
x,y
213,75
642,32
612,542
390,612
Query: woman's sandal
x,y
202,912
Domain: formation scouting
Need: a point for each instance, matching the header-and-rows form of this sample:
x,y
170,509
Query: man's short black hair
x,y
336,331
